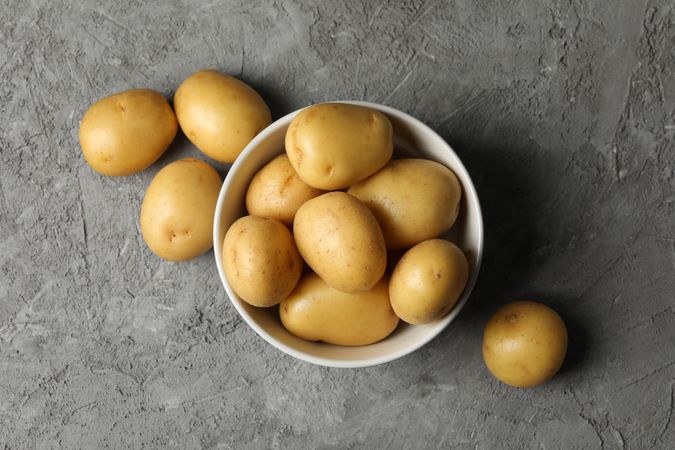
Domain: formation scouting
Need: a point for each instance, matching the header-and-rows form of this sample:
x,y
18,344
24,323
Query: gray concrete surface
x,y
564,112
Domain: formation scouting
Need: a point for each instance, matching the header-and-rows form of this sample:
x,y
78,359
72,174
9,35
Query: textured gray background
x,y
564,112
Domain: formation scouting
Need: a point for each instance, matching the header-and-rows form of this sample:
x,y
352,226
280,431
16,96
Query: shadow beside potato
x,y
508,197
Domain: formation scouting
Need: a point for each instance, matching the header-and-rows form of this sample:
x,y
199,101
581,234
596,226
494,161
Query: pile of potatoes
x,y
127,132
337,201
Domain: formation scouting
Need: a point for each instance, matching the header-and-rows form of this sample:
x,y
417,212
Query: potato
x,y
276,191
219,114
178,209
126,132
524,343
340,240
317,312
428,281
334,145
260,260
412,199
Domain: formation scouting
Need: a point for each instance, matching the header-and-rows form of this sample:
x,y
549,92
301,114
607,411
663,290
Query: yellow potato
x,y
260,260
334,145
340,240
317,312
524,343
428,281
219,113
178,209
276,191
412,199
127,132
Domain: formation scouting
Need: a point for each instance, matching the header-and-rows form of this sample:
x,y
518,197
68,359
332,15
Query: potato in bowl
x,y
412,138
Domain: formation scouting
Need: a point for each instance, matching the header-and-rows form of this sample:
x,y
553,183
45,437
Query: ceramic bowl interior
x,y
412,139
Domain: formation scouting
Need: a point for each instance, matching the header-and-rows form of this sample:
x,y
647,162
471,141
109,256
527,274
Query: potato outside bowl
x,y
412,138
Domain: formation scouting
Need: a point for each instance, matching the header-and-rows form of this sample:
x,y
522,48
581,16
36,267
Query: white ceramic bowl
x,y
412,138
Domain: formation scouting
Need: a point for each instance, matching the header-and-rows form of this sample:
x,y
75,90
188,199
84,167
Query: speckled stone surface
x,y
564,113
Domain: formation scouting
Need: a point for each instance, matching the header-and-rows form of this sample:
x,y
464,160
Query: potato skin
x,y
277,191
334,145
126,132
178,209
412,199
219,113
261,261
428,281
524,343
317,312
340,240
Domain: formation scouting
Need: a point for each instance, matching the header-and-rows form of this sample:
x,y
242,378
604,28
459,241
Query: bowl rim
x,y
440,325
